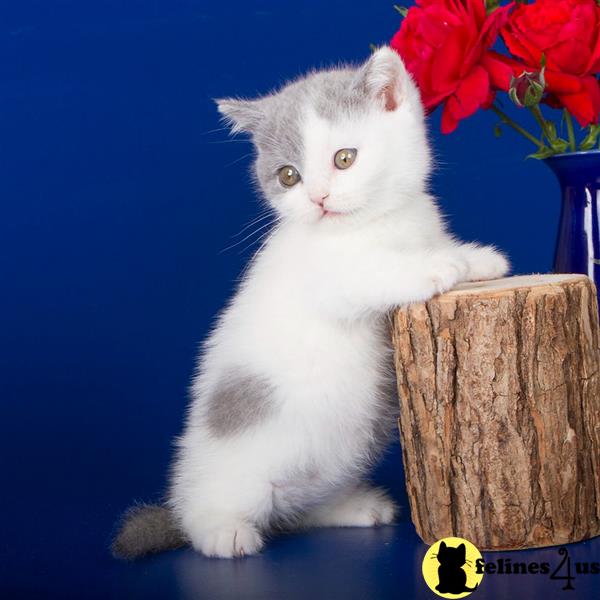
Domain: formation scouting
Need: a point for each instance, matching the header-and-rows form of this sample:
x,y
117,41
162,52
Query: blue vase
x,y
578,243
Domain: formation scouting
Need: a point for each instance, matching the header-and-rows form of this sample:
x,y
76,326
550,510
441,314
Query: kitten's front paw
x,y
485,262
229,541
447,270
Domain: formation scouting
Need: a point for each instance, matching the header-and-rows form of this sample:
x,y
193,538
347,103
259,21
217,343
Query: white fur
x,y
309,317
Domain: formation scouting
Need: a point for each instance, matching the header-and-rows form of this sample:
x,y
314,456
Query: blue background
x,y
119,194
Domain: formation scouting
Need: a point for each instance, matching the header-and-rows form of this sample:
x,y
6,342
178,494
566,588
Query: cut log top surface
x,y
500,287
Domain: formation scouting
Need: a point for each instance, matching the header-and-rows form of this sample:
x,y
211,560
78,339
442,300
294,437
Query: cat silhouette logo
x,y
449,568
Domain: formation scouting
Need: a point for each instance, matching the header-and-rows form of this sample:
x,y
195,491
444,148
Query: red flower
x,y
445,45
567,33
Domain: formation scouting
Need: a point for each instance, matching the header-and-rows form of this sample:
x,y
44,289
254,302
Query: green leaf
x,y
491,6
498,130
401,9
589,142
542,154
551,130
559,145
587,145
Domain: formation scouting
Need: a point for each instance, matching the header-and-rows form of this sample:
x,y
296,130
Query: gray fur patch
x,y
146,529
238,402
333,95
275,120
342,93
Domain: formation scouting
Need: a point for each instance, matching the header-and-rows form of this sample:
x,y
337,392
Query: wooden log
x,y
500,411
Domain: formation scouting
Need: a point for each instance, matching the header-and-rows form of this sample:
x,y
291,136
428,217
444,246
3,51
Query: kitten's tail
x,y
146,529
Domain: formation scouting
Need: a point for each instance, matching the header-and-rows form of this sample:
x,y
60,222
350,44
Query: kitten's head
x,y
452,557
338,145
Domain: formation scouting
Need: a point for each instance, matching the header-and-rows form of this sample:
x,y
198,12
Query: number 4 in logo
x,y
568,577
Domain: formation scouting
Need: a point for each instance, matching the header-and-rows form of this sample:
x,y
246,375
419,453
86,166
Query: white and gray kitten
x,y
292,402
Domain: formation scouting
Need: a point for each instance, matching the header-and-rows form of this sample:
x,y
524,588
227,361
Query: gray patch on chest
x,y
239,401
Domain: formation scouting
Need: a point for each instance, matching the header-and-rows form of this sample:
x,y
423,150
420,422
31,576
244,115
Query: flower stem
x,y
539,117
508,121
570,129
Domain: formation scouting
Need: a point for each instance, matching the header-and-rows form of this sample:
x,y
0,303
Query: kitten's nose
x,y
319,199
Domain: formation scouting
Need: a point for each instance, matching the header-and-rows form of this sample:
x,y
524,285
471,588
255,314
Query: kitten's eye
x,y
289,176
344,158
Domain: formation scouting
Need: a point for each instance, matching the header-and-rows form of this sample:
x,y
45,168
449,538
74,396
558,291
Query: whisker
x,y
237,160
268,236
265,215
215,130
246,238
256,241
235,141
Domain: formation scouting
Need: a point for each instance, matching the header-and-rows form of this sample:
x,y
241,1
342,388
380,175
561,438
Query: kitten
x,y
293,398
453,579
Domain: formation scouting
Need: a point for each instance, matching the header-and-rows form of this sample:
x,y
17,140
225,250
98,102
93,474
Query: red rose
x,y
567,33
445,45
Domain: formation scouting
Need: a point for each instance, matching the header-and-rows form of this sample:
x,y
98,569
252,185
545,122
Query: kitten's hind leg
x,y
225,511
226,536
226,529
360,506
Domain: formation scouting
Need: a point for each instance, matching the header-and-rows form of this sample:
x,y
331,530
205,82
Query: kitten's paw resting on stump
x,y
484,262
499,381
363,506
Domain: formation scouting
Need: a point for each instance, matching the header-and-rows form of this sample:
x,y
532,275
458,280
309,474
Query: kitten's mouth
x,y
330,213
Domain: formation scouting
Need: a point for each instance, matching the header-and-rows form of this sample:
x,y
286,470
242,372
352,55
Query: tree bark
x,y
500,411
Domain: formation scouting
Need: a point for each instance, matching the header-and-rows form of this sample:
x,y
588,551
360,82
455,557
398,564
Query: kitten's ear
x,y
241,115
442,545
385,78
462,550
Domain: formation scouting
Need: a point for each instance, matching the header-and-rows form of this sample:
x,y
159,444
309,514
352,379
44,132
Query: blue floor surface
x,y
54,543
